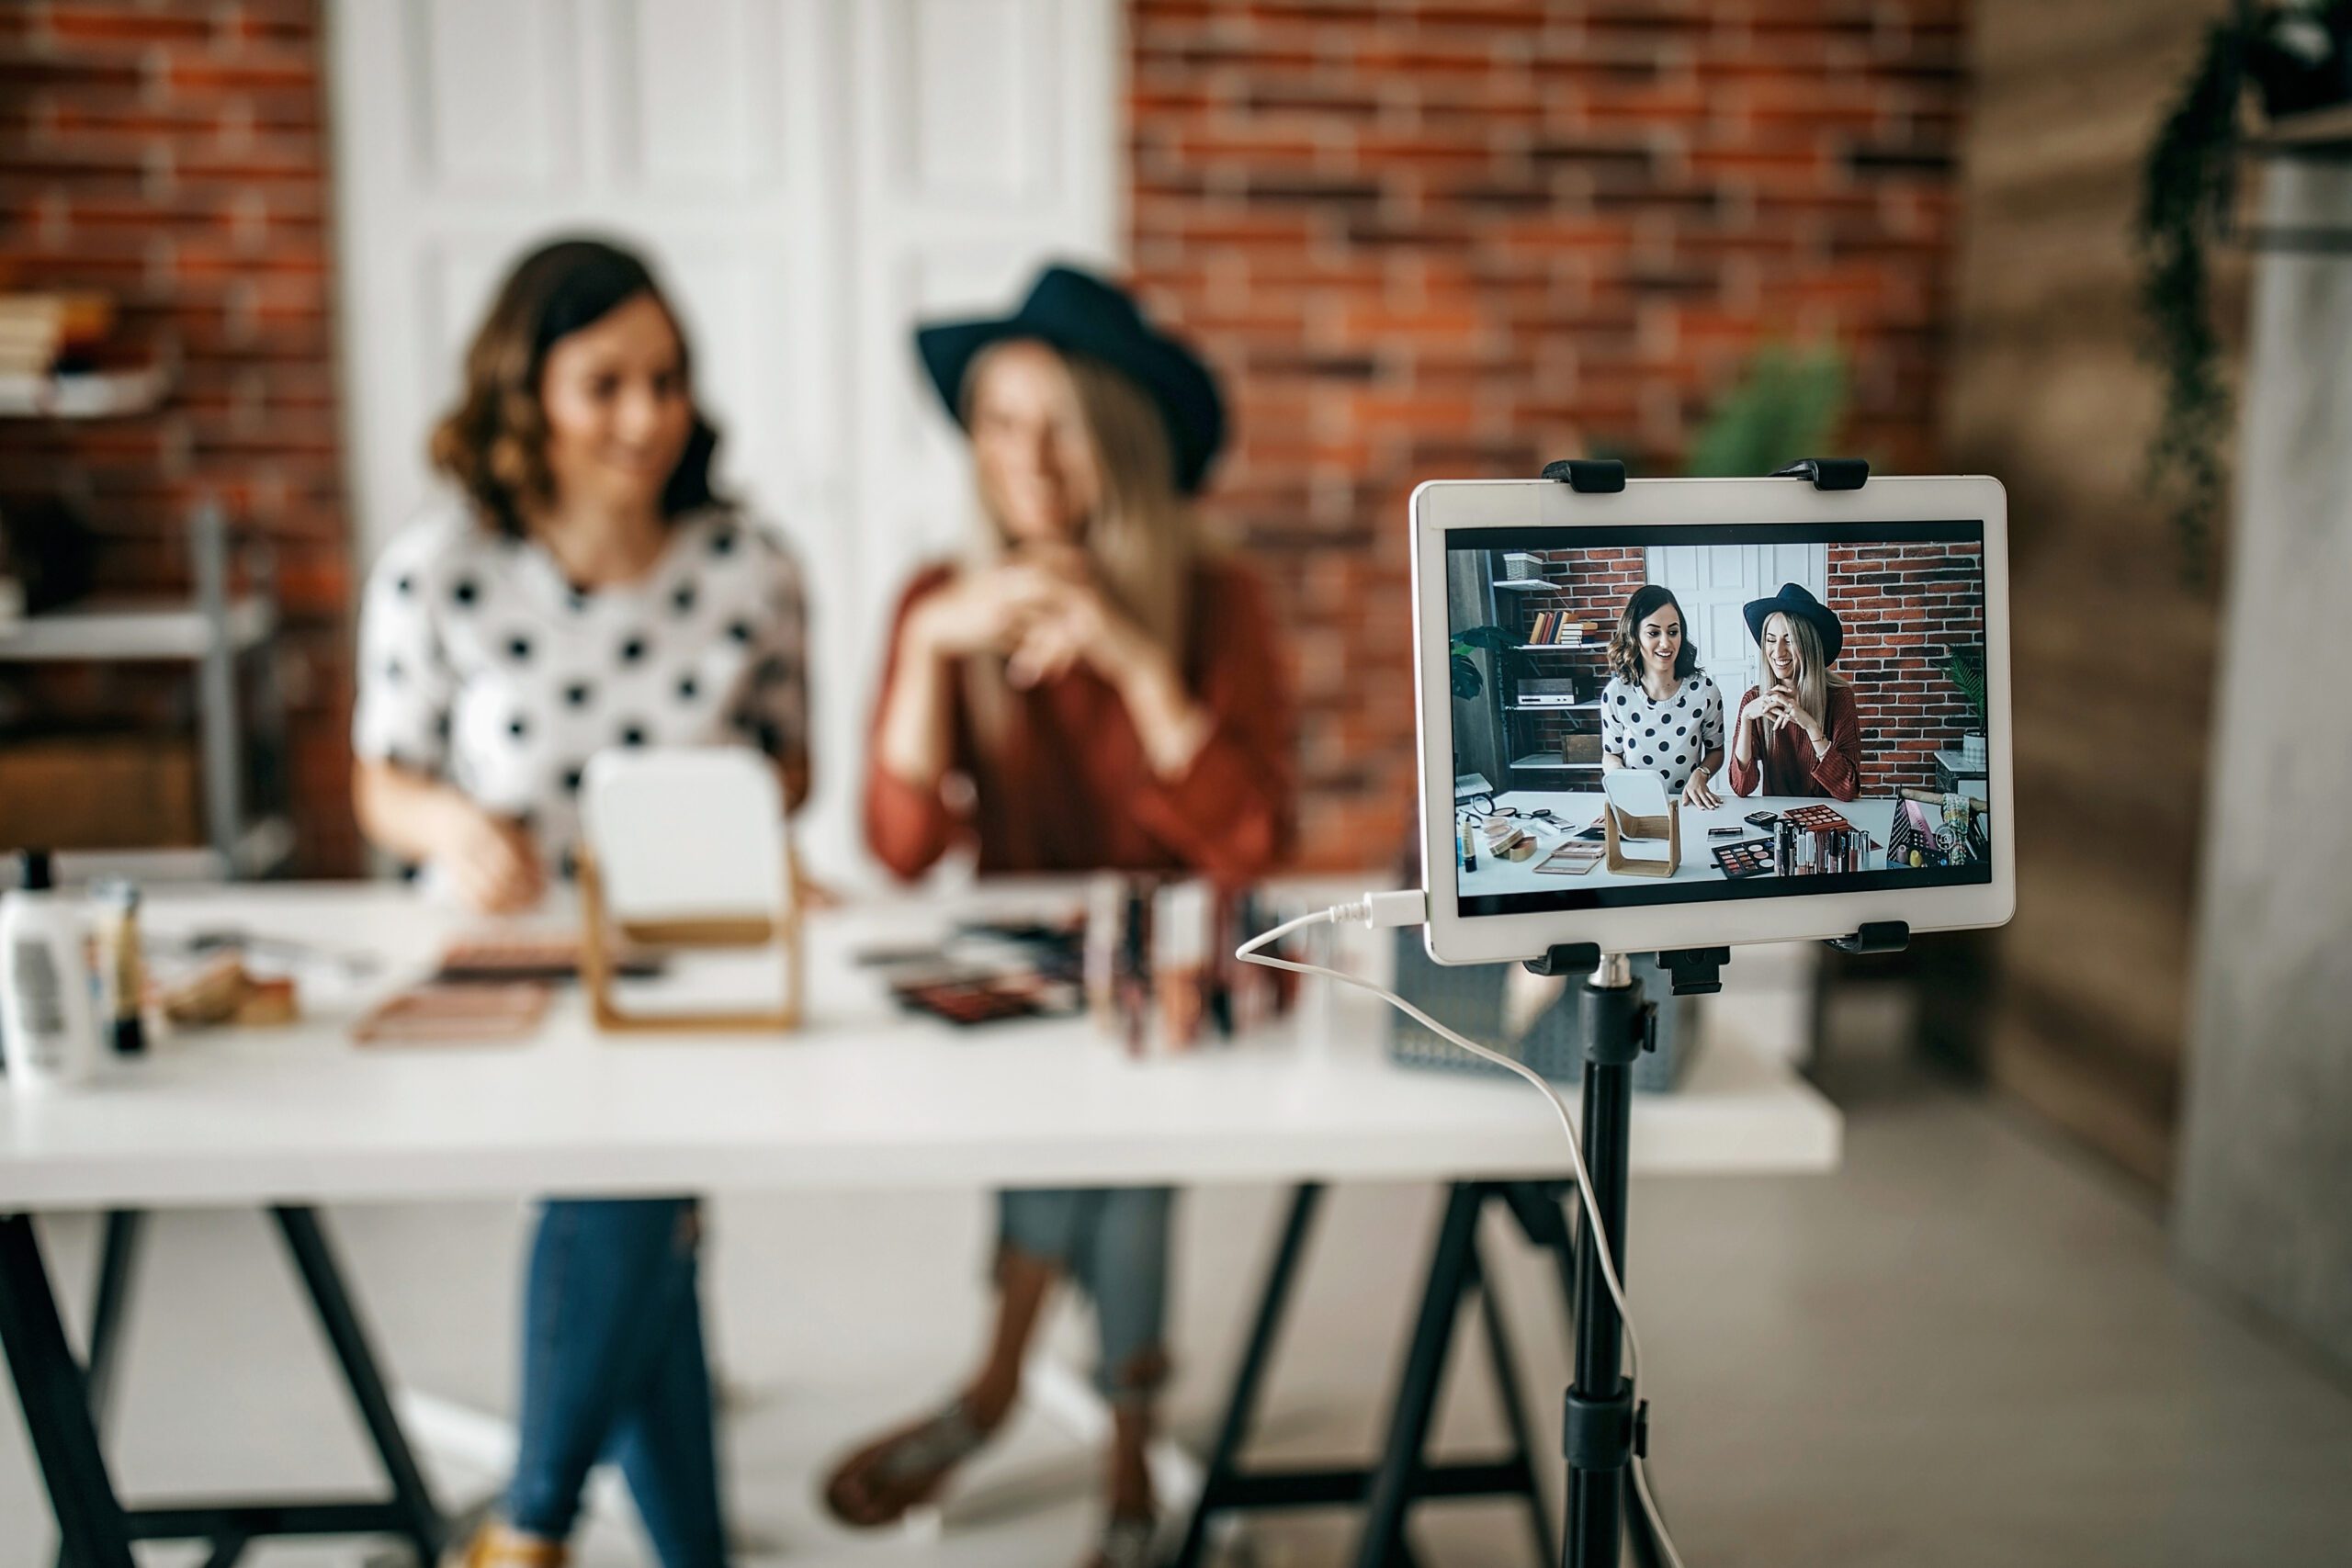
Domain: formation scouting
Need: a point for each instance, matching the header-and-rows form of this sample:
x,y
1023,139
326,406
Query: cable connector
x,y
1386,911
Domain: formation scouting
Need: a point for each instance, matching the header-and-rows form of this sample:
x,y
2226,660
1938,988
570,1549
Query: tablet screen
x,y
1647,715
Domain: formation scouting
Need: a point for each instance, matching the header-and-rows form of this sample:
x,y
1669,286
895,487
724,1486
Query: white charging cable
x,y
1410,907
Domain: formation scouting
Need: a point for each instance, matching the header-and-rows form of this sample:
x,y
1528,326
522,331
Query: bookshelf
x,y
1534,733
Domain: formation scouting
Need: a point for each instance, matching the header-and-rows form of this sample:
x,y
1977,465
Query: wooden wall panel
x,y
2048,388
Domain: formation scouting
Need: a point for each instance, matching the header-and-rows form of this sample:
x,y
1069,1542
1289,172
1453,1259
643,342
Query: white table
x,y
1573,810
863,1098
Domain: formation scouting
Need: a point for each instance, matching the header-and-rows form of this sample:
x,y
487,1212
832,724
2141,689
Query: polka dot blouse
x,y
479,664
1670,738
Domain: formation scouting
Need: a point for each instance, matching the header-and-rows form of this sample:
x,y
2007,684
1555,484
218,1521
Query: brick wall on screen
x,y
1905,608
174,156
1459,239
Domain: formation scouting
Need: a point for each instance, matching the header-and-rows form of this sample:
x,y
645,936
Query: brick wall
x,y
1454,239
174,156
1905,608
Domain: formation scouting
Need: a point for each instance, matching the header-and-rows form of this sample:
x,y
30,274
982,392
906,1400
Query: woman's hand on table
x,y
1699,792
491,860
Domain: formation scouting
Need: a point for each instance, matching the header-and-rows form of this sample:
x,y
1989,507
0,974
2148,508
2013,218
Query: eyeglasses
x,y
1473,813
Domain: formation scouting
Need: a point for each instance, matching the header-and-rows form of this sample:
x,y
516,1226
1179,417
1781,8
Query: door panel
x,y
807,176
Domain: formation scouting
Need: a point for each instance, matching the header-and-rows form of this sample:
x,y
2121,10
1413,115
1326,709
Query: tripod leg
x,y
1390,1493
1506,1369
1241,1405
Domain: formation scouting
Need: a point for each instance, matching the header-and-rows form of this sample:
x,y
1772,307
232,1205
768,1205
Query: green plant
x,y
1965,669
1501,645
1787,405
2294,54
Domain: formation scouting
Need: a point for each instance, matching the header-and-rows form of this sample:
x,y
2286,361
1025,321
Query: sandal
x,y
493,1545
1126,1543
879,1482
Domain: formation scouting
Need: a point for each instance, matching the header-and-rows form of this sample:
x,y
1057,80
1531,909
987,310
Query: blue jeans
x,y
613,1369
1114,1242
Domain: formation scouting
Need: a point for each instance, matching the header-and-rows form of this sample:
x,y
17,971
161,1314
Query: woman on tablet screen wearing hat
x,y
1092,687
1798,732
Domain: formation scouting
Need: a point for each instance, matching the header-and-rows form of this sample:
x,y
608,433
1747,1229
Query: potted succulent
x,y
2296,57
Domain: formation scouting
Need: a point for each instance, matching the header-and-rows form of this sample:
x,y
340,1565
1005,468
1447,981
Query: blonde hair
x,y
1814,677
1143,537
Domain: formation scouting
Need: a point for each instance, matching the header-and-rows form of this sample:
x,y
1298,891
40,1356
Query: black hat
x,y
1078,313
1792,600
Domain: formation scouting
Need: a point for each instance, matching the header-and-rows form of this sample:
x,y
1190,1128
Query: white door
x,y
808,175
1714,582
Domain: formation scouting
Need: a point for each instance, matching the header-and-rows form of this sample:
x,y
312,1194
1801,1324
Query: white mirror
x,y
687,849
691,834
1636,792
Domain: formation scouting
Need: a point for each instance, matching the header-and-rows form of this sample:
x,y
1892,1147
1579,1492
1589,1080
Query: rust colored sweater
x,y
1784,762
1071,790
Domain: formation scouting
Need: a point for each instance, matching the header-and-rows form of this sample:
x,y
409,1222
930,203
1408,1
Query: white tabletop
x,y
1573,810
862,1098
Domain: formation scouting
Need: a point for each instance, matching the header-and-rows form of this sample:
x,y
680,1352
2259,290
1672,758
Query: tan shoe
x,y
497,1545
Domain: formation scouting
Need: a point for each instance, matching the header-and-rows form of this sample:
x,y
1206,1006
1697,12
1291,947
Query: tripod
x,y
1602,1427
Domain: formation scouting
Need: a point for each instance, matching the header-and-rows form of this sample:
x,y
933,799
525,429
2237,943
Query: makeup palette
x,y
1816,818
1753,858
1571,858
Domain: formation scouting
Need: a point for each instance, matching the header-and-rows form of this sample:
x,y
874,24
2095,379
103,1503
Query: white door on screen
x,y
1714,582
808,175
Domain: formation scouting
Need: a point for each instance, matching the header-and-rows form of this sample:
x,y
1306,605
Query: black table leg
x,y
118,1253
412,1501
56,1405
1505,1366
1392,1486
1241,1405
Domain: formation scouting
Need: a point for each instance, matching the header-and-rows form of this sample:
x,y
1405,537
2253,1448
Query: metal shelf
x,y
1549,762
264,847
128,633
1555,708
90,394
1560,647
1528,585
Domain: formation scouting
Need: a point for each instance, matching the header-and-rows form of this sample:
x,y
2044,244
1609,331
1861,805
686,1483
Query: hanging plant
x,y
2296,56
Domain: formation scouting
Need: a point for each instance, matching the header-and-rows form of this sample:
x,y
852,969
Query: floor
x,y
1966,1348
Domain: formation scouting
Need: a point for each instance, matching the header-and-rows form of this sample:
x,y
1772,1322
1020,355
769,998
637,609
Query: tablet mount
x,y
1603,1426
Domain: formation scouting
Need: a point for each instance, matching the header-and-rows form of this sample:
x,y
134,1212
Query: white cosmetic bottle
x,y
46,1023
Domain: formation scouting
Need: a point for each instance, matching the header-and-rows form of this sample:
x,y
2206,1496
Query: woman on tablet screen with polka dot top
x,y
585,589
1660,711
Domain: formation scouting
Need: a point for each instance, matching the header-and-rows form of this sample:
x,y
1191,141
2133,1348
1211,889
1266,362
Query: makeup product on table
x,y
1753,858
46,1020
469,1015
1571,858
1762,818
494,956
1726,832
1815,840
123,976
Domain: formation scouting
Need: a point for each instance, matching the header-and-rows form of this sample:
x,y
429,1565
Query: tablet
x,y
1827,673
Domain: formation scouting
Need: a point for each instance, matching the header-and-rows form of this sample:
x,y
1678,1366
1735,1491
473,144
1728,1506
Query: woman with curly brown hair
x,y
1659,710
586,589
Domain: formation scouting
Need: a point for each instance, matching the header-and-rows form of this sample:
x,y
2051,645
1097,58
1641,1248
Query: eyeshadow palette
x,y
1753,858
1571,858
1816,818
